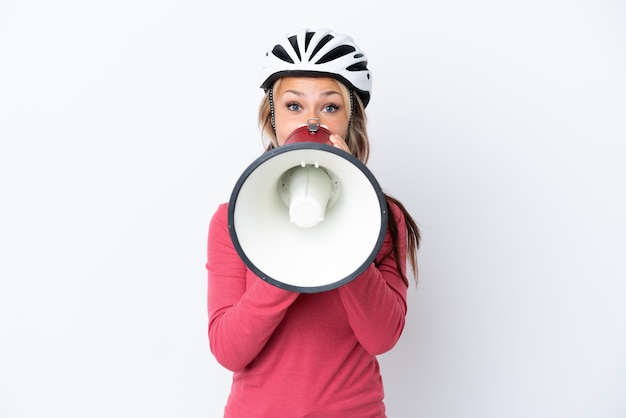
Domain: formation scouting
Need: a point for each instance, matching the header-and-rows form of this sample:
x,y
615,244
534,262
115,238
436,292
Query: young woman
x,y
310,354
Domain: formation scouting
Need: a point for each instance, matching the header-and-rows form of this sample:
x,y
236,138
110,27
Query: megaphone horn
x,y
307,216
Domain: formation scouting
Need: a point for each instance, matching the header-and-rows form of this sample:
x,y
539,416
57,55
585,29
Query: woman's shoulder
x,y
221,213
395,208
222,207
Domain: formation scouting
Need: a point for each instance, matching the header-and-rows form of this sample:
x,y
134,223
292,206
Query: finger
x,y
338,142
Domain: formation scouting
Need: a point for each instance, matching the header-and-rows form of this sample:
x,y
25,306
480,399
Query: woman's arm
x,y
376,300
242,316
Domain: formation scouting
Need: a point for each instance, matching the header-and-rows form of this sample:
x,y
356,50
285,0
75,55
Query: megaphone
x,y
307,216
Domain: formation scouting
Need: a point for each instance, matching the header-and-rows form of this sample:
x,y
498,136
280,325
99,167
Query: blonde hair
x,y
357,139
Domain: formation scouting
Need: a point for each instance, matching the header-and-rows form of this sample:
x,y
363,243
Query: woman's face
x,y
298,99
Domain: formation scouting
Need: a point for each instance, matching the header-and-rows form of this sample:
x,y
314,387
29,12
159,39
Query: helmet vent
x,y
359,66
320,44
307,39
336,53
280,53
293,40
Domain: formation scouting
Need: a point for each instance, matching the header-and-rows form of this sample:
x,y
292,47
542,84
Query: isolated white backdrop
x,y
500,125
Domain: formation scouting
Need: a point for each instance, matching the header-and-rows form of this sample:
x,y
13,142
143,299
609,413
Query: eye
x,y
294,107
331,108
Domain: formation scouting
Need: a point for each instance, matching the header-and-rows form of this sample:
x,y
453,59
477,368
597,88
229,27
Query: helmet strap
x,y
270,95
351,112
351,105
271,98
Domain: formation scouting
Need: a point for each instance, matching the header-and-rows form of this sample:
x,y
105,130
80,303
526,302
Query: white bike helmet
x,y
318,53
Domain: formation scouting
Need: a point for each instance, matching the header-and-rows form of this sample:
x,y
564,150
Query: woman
x,y
310,354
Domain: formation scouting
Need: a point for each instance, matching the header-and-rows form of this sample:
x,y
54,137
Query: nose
x,y
313,114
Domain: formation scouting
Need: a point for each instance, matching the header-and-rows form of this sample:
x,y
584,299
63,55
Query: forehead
x,y
309,85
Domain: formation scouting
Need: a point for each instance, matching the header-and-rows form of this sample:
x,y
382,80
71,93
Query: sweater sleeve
x,y
242,314
376,300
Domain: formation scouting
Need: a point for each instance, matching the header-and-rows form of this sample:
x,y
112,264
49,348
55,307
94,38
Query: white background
x,y
500,125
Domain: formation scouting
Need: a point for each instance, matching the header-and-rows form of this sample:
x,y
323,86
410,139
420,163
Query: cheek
x,y
339,128
284,126
282,132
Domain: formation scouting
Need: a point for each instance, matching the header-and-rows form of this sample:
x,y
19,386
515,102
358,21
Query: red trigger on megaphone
x,y
311,132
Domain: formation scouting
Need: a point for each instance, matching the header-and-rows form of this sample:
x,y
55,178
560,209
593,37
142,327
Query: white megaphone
x,y
306,216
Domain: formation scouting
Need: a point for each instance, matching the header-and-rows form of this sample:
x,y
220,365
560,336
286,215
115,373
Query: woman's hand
x,y
338,142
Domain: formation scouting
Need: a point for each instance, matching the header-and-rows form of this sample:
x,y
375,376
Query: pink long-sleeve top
x,y
302,355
